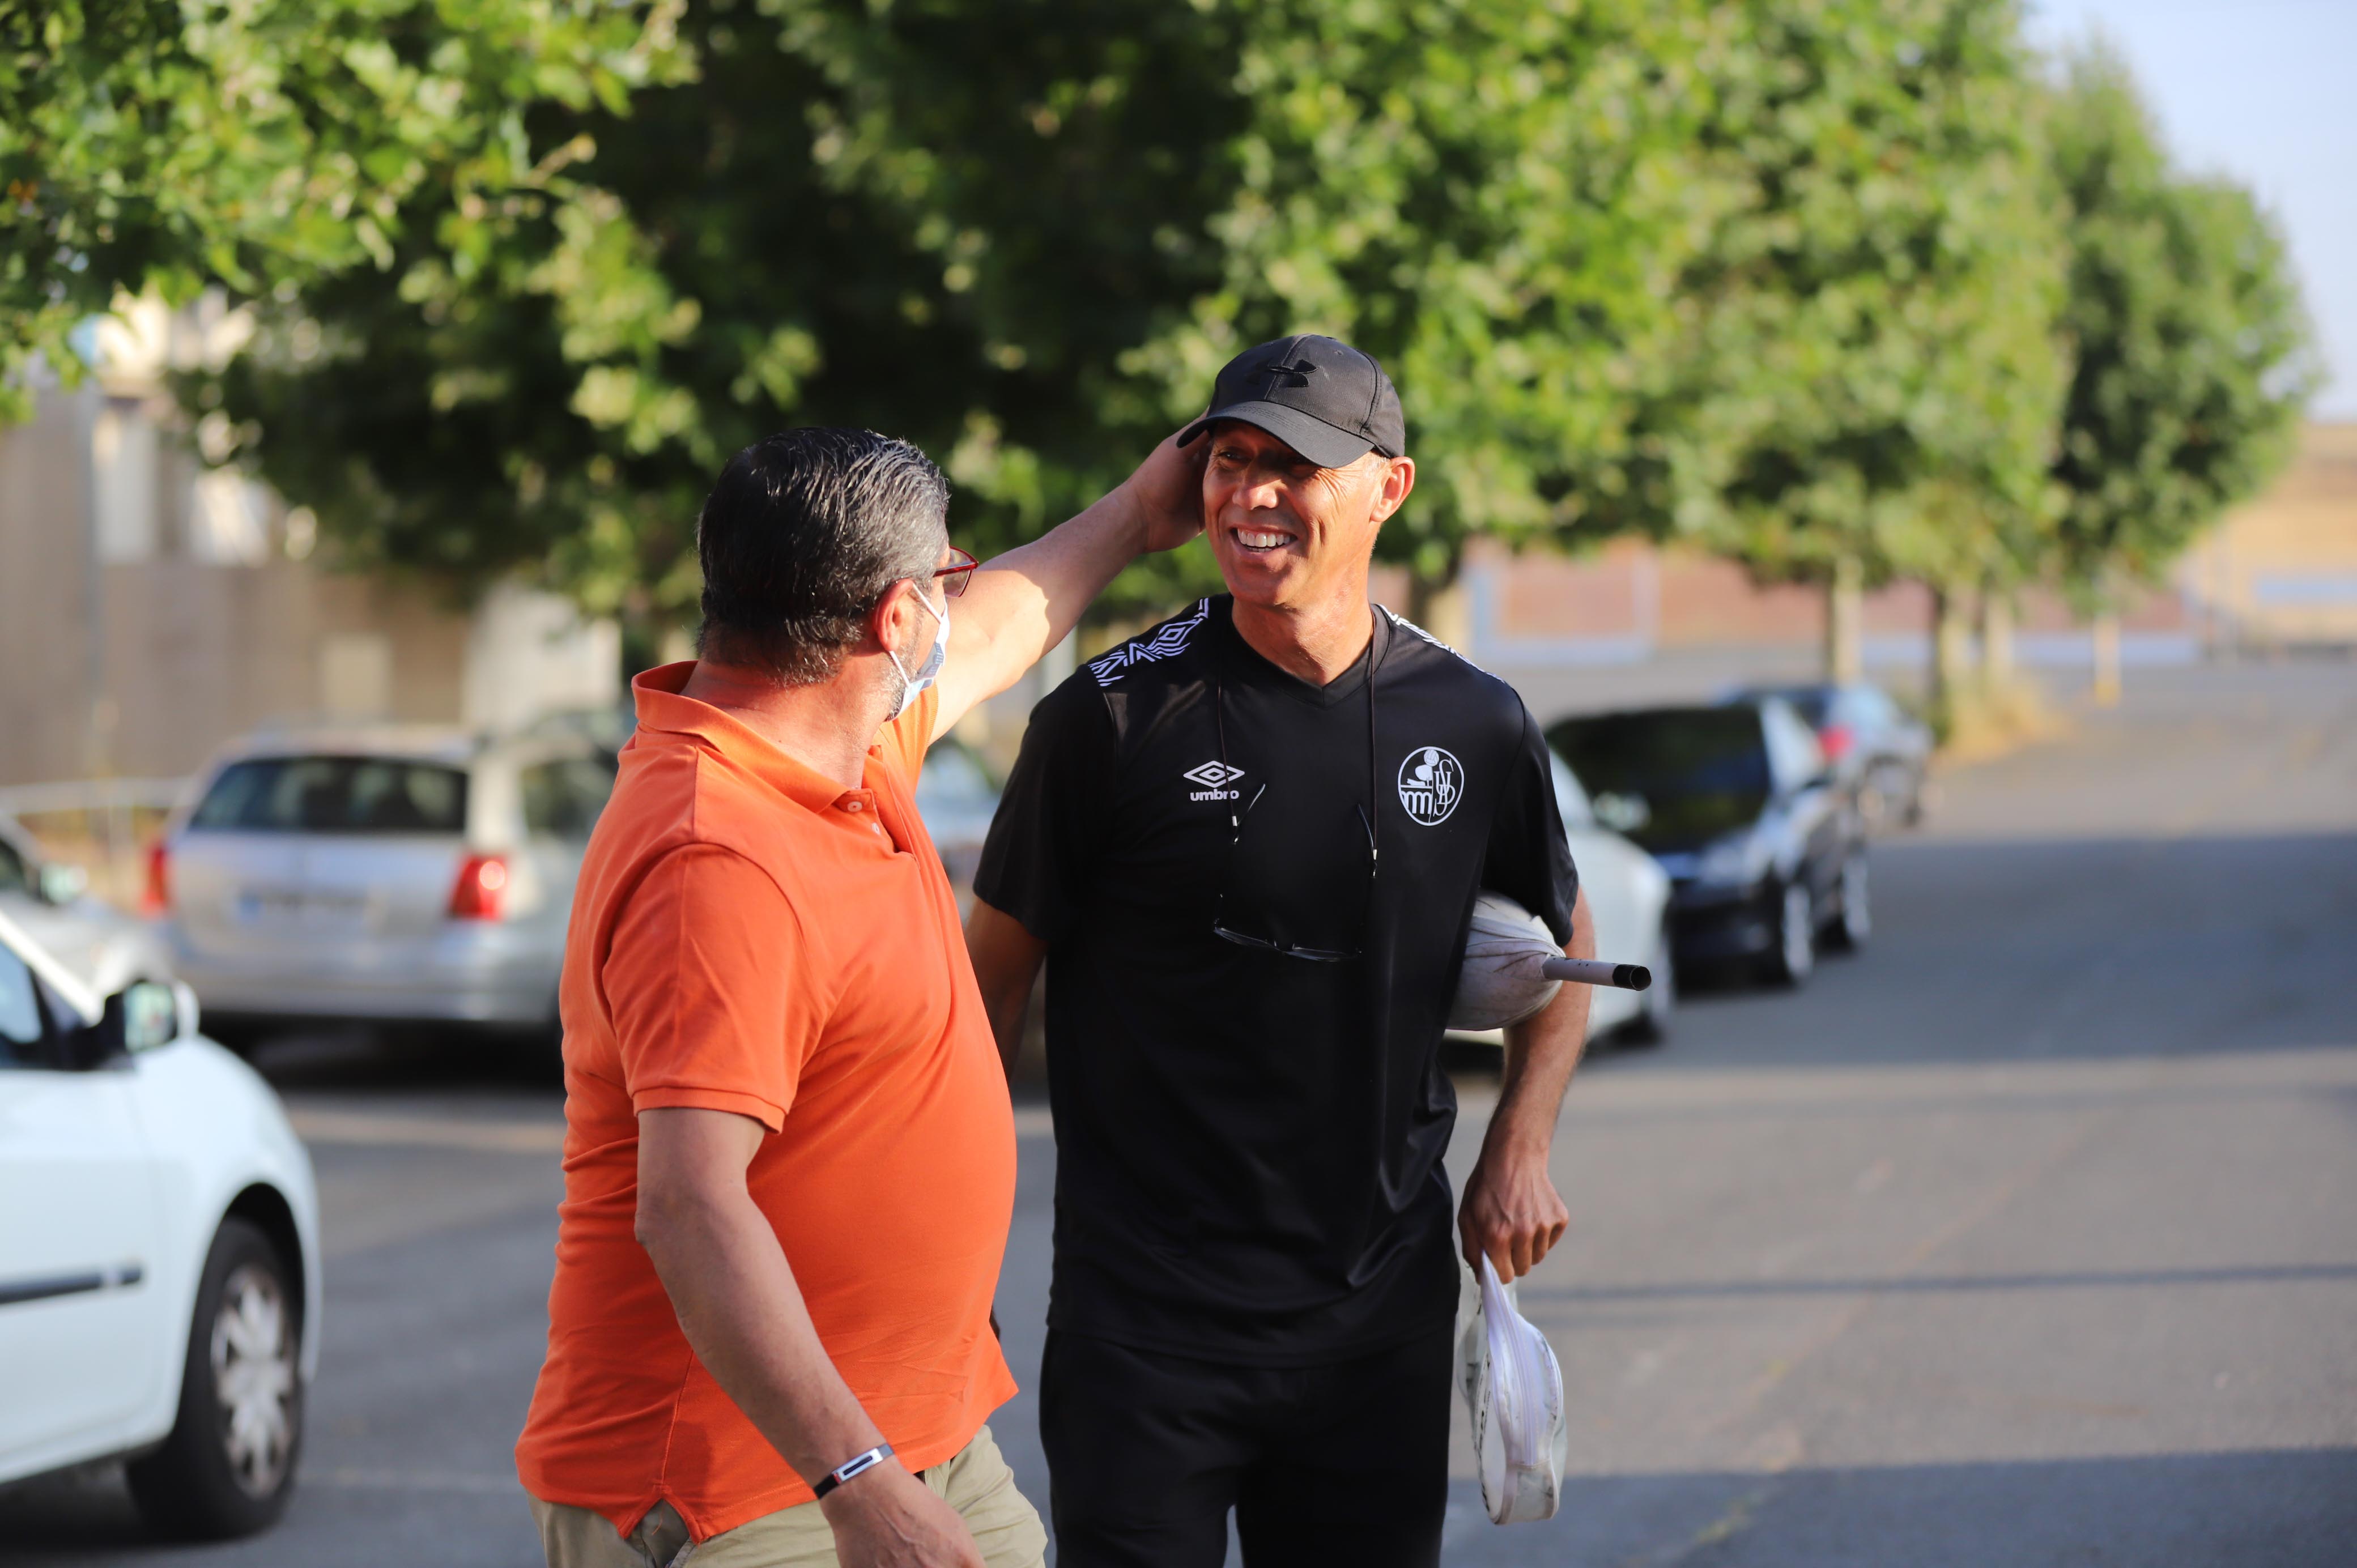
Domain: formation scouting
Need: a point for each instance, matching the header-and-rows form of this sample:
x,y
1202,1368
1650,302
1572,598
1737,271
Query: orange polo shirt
x,y
747,936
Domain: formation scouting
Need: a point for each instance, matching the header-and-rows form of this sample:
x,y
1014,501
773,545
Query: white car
x,y
1628,900
159,1251
381,872
105,948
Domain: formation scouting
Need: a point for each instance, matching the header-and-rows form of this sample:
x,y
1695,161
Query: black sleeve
x,y
1043,842
1529,859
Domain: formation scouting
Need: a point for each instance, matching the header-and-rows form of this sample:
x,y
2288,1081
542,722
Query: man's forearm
x,y
744,1317
1542,1052
1006,959
1023,603
1044,586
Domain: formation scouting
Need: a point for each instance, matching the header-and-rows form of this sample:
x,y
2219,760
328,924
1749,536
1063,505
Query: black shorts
x,y
1147,1452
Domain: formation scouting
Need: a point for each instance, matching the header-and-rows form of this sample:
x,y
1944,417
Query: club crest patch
x,y
1430,781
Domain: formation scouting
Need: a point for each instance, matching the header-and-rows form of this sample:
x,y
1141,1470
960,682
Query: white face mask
x,y
932,668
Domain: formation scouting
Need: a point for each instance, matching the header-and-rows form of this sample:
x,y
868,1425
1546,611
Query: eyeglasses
x,y
954,576
1220,926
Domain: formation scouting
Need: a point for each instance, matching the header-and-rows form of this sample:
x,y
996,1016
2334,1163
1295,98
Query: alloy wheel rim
x,y
1800,954
254,1380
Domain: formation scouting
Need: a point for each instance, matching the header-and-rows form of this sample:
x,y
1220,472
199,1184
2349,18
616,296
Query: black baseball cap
x,y
1318,395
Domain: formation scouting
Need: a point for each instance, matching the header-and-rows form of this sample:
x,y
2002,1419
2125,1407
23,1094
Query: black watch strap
x,y
850,1468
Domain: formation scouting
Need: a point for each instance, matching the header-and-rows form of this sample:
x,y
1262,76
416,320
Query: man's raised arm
x,y
1023,603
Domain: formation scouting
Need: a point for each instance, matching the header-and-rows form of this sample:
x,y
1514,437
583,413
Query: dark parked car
x,y
1765,852
1873,746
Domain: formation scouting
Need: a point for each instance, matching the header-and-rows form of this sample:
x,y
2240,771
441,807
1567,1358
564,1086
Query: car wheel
x,y
1854,922
1883,795
228,1468
1795,952
1658,1000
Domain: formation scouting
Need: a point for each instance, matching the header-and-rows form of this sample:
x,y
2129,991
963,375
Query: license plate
x,y
276,906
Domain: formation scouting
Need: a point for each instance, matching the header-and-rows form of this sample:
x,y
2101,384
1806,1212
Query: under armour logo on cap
x,y
1296,374
1328,402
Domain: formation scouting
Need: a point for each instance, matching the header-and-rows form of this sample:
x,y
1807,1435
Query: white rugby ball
x,y
1504,980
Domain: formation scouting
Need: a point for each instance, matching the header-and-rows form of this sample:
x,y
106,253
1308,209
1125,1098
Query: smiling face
x,y
1286,532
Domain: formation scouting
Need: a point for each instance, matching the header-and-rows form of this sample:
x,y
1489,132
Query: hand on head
x,y
1167,489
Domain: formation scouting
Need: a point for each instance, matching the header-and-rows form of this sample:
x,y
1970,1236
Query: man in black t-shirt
x,y
1247,846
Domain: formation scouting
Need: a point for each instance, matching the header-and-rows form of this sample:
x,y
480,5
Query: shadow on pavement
x,y
2267,1509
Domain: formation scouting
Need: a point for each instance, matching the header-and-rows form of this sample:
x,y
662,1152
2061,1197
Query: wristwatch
x,y
850,1468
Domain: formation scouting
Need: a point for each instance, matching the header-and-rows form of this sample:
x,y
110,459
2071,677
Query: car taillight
x,y
1836,739
158,895
483,890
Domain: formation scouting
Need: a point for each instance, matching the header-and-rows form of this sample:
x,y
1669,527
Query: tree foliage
x,y
927,219
1869,369
168,144
1027,248
2189,367
1805,280
1490,196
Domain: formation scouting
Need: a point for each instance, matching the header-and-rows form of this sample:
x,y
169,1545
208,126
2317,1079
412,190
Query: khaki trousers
x,y
975,1481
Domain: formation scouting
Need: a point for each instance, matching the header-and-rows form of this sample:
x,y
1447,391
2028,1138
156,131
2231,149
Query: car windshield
x,y
335,795
1701,772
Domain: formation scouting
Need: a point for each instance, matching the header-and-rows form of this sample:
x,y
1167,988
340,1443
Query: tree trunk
x,y
1951,654
1440,606
1996,637
1846,621
2107,657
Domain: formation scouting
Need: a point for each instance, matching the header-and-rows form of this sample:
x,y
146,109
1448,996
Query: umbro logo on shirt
x,y
1214,777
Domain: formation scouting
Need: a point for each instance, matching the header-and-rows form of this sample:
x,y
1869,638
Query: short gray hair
x,y
802,535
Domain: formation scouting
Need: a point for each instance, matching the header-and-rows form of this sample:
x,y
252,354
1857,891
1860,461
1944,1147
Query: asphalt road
x,y
2028,1237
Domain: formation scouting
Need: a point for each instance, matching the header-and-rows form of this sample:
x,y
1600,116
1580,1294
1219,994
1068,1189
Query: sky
x,y
2264,91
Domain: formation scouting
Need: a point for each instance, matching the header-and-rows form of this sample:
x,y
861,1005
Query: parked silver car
x,y
382,873
103,947
1874,747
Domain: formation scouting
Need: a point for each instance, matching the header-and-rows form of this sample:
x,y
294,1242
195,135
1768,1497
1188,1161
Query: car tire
x,y
1658,1002
1883,795
1795,955
1853,921
228,1467
1909,781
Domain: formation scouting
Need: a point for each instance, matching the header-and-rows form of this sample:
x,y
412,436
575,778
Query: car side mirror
x,y
63,884
139,1018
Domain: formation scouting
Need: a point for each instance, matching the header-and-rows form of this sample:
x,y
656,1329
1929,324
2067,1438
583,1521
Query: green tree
x,y
1026,245
1491,196
2190,366
935,219
170,144
1868,381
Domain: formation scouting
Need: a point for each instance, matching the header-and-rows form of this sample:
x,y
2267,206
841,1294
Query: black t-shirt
x,y
1248,1142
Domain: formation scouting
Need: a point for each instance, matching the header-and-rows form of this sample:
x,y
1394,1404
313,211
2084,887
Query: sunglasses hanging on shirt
x,y
1232,930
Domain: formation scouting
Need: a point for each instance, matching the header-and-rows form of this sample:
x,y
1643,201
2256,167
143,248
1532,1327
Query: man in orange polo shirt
x,y
790,1158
